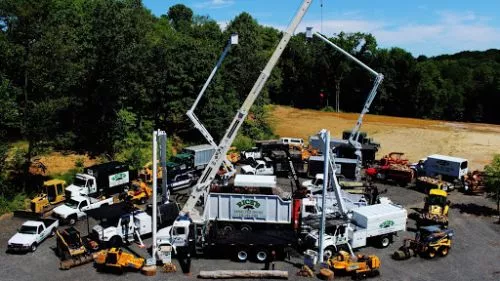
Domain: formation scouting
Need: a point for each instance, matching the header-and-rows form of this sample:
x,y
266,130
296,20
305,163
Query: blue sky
x,y
428,27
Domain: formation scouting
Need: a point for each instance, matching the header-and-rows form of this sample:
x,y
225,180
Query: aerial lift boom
x,y
354,137
190,113
210,171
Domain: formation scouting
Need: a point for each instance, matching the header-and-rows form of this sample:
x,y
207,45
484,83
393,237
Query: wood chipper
x,y
435,209
361,266
140,192
115,259
72,249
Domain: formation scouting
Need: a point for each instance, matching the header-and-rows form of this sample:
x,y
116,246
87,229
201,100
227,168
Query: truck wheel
x,y
242,255
443,251
385,241
261,255
228,228
329,252
33,247
72,220
431,253
115,241
246,228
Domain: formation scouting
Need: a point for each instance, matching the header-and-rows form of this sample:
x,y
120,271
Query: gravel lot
x,y
475,254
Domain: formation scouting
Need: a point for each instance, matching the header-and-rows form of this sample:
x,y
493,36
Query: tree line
x,y
100,75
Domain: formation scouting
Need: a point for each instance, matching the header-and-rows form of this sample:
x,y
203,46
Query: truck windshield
x,y
79,182
72,203
25,229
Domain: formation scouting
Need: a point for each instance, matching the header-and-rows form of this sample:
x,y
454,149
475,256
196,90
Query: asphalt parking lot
x,y
475,253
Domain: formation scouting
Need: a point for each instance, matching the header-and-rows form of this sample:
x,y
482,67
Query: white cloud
x,y
214,4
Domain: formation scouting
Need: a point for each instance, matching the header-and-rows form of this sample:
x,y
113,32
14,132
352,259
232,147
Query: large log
x,y
222,274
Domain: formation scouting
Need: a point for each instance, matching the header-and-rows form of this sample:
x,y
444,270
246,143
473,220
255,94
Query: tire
x,y
242,255
228,228
385,241
431,253
246,228
261,255
116,241
329,252
33,247
72,220
443,251
142,201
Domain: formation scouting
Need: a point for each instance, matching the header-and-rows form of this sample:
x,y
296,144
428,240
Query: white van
x,y
449,167
292,141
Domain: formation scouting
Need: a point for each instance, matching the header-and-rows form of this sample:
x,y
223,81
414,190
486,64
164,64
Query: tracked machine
x,y
429,241
72,249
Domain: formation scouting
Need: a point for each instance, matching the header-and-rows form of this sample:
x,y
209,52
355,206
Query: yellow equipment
x,y
146,173
429,241
52,194
361,267
71,248
118,260
140,192
435,209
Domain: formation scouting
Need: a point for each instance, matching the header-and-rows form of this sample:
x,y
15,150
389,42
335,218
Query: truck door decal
x,y
118,179
386,224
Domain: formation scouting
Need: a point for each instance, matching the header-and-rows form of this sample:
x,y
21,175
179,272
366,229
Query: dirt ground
x,y
417,138
59,163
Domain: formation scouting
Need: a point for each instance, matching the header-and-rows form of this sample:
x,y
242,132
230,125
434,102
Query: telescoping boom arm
x,y
233,40
220,153
354,137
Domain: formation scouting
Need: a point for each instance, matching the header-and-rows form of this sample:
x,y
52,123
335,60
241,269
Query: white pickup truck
x,y
74,208
123,229
259,167
31,234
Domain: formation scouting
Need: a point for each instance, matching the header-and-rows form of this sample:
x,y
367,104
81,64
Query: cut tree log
x,y
222,274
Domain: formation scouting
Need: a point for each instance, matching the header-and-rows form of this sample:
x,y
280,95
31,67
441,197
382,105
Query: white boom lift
x,y
354,137
210,171
233,40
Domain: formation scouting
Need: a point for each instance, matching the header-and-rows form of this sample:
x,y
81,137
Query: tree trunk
x,y
216,274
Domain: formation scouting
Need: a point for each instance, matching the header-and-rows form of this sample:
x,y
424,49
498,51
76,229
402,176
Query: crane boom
x,y
354,137
208,174
190,113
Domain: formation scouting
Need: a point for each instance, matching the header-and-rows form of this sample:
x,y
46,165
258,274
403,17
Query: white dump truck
x,y
370,224
31,234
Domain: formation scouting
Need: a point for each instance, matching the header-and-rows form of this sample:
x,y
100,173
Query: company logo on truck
x,y
248,204
386,224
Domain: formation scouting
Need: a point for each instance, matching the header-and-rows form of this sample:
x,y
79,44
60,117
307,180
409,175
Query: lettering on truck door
x,y
40,234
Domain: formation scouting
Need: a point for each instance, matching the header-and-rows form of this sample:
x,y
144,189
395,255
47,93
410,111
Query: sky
x,y
422,27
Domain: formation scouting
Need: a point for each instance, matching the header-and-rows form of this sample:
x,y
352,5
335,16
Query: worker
x,y
273,258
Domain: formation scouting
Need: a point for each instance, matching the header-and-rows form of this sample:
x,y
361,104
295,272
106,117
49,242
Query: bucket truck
x,y
360,225
228,166
354,137
190,226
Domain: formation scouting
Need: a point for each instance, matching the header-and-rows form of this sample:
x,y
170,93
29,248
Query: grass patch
x,y
18,202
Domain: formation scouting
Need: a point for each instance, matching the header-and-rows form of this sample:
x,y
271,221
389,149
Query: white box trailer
x,y
449,167
375,221
254,208
255,181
